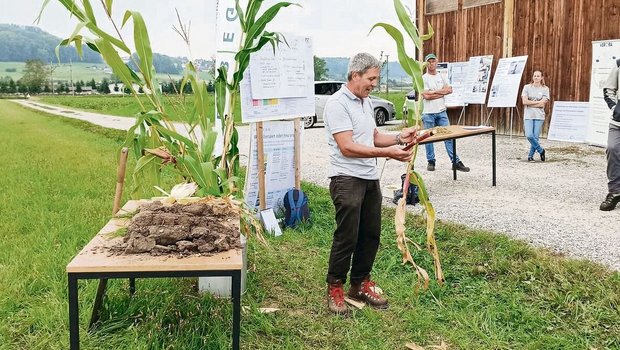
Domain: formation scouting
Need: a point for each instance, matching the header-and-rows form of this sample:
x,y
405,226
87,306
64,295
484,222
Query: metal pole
x,y
387,74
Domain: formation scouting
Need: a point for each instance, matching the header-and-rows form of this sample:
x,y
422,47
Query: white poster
x,y
478,77
279,150
457,75
256,110
287,72
604,55
569,121
505,86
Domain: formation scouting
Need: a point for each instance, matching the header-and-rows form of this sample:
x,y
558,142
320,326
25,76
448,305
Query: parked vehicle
x,y
410,99
384,109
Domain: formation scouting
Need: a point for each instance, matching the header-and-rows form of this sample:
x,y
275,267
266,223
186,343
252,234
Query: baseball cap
x,y
429,56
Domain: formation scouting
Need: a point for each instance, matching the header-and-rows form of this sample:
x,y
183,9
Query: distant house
x,y
86,90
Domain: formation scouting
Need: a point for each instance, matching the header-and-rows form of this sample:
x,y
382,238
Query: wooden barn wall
x,y
556,35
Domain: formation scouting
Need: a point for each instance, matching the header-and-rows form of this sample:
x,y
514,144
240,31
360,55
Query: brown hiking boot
x,y
365,292
335,298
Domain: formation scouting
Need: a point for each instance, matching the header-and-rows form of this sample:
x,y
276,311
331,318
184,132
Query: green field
x,y
79,71
56,193
176,106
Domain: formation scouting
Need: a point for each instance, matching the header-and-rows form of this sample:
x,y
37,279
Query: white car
x,y
384,109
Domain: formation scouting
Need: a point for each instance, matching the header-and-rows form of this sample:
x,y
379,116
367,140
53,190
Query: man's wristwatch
x,y
398,140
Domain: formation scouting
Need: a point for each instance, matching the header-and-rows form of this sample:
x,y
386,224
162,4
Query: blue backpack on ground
x,y
296,207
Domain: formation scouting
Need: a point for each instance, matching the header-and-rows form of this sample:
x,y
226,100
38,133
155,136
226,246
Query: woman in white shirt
x,y
535,97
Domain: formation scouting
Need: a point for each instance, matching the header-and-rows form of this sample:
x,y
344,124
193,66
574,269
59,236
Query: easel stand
x,y
461,115
511,115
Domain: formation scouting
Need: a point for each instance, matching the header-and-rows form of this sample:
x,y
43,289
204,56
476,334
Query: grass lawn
x,y
127,106
56,193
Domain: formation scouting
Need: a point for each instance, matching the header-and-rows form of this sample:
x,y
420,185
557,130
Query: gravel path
x,y
552,204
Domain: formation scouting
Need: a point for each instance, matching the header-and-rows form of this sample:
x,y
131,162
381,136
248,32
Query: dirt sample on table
x,y
205,227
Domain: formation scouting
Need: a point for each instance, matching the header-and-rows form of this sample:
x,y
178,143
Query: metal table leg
x,y
236,295
454,158
132,286
493,155
74,319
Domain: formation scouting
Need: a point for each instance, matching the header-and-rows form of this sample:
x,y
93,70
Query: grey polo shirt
x,y
346,112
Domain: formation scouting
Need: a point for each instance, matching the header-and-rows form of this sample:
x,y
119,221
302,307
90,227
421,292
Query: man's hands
x,y
407,135
396,152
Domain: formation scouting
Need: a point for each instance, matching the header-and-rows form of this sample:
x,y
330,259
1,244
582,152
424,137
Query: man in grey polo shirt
x,y
354,143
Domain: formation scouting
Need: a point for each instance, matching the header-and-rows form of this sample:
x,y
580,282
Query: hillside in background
x,y
338,70
21,43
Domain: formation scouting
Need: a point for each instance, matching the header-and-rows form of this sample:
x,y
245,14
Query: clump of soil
x,y
205,227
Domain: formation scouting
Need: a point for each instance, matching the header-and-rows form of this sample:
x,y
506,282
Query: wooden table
x,y
461,131
93,262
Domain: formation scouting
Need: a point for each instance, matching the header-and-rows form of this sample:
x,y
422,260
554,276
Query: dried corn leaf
x,y
413,346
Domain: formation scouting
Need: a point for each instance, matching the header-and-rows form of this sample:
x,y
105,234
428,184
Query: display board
x,y
506,82
279,153
604,55
569,121
457,76
477,80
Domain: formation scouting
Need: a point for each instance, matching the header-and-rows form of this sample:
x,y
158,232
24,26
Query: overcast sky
x,y
337,27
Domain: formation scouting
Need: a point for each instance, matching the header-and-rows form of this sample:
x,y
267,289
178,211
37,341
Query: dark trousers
x,y
613,159
358,227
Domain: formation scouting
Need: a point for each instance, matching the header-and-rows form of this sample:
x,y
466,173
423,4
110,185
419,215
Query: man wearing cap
x,y
434,114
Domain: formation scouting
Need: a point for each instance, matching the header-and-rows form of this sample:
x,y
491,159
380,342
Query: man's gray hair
x,y
362,62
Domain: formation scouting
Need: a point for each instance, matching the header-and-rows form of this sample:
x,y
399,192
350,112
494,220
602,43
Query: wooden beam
x,y
421,24
509,10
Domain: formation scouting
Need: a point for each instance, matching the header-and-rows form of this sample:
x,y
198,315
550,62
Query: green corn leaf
x,y
143,45
251,11
255,29
115,62
108,7
103,35
240,15
220,91
208,141
430,33
88,10
74,9
405,21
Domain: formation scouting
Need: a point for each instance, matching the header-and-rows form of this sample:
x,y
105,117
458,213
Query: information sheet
x,y
279,149
506,82
478,77
287,71
569,121
457,75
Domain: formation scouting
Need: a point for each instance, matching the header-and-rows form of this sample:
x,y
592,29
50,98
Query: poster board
x,y
457,75
569,121
279,153
477,80
506,81
604,54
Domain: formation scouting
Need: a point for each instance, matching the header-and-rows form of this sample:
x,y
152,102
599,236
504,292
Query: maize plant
x,y
414,70
154,138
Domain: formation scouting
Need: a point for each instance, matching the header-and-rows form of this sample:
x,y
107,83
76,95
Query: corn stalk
x,y
414,69
154,139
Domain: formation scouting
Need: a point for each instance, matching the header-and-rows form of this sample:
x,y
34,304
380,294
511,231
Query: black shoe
x,y
431,165
460,167
542,155
610,202
530,159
